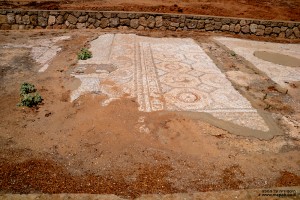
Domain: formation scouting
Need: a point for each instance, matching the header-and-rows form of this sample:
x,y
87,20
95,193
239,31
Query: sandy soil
x,y
258,9
82,147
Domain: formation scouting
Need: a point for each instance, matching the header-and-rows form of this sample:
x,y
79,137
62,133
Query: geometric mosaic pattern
x,y
163,74
280,74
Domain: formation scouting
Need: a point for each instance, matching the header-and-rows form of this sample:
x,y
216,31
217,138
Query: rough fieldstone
x,y
45,14
265,23
232,27
131,15
143,21
291,25
276,30
174,24
72,19
91,20
14,27
281,35
97,24
201,24
209,27
54,12
2,12
11,18
21,27
60,19
253,28
268,30
82,19
141,28
90,14
99,15
176,20
158,21
225,21
273,24
225,28
289,32
5,27
76,13
181,25
122,15
237,28
18,19
114,22
25,19
80,25
182,19
151,22
192,24
283,28
261,27
42,21
107,15
134,23
51,20
243,22
245,29
218,25
296,32
125,22
260,32
104,22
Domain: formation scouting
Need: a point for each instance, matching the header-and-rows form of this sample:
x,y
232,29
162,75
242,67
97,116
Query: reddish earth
x,y
82,147
258,9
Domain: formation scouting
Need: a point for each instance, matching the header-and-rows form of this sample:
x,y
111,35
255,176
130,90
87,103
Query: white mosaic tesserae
x,y
163,74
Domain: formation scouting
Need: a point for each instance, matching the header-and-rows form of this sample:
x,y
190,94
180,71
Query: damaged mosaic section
x,y
163,74
280,62
42,50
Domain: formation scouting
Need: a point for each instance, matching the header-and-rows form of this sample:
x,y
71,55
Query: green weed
x,y
84,54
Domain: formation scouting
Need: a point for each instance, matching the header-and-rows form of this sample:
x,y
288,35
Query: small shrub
x,y
27,88
28,97
84,54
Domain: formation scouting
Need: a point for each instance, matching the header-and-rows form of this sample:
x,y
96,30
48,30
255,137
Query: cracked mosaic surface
x,y
42,50
280,74
163,74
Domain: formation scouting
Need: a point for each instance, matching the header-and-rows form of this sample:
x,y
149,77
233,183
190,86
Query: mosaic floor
x,y
42,50
163,74
279,73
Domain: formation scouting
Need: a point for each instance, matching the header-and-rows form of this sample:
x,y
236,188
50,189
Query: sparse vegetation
x,y
232,53
29,96
84,54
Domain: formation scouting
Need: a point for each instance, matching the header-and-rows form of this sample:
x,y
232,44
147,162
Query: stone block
x,y
114,22
99,15
125,22
82,19
201,24
268,30
245,29
122,15
60,19
253,28
42,21
72,19
104,22
158,21
51,20
237,28
225,28
209,27
134,23
218,25
25,19
11,18
296,32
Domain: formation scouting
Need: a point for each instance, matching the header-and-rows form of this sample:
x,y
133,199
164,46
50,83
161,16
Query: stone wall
x,y
14,20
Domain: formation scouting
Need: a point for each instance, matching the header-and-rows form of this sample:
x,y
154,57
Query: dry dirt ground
x,y
82,147
258,9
